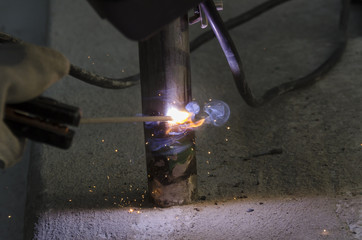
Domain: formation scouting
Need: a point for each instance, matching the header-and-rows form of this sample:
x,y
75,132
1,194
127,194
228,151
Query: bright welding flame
x,y
169,136
178,116
182,120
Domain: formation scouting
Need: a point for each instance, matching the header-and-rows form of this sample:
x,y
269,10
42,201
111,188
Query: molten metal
x,y
178,117
182,121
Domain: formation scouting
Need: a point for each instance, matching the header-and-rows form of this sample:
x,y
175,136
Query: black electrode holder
x,y
43,120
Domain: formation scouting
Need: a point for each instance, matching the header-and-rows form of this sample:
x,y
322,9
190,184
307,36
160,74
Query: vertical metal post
x,y
165,83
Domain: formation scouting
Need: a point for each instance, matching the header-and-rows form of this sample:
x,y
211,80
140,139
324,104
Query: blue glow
x,y
171,142
218,111
193,107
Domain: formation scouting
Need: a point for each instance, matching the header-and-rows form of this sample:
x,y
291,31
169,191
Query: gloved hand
x,y
25,72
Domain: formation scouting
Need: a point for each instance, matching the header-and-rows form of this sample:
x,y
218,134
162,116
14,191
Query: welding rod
x,y
126,119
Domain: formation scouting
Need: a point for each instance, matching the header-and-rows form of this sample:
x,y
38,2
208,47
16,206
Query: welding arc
x,y
126,119
235,63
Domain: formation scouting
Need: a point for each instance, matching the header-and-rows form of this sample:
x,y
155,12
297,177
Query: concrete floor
x,y
314,185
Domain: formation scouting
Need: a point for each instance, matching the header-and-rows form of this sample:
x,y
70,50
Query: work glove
x,y
26,71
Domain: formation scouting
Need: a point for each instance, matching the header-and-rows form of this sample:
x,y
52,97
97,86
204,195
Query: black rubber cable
x,y
104,82
84,75
235,64
112,83
236,21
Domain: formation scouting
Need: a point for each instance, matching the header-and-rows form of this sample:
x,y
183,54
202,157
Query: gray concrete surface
x,y
315,184
28,21
279,218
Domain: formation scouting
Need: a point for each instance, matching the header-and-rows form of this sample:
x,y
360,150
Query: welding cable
x,y
111,83
236,21
235,64
105,82
100,81
84,75
6,38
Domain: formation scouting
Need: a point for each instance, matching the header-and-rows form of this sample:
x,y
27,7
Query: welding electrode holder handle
x,y
43,120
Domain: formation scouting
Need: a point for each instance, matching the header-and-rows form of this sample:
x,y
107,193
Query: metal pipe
x,y
165,83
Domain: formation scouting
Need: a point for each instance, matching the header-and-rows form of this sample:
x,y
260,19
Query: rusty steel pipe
x,y
165,83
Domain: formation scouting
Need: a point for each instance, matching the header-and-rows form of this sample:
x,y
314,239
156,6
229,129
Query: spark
x,y
228,128
9,216
70,200
226,140
131,210
209,153
116,150
102,140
